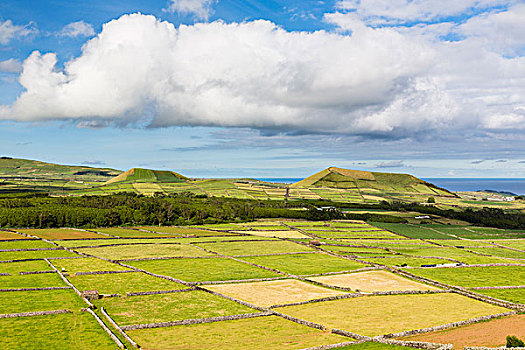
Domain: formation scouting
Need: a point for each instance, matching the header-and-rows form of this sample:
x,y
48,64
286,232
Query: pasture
x,y
229,278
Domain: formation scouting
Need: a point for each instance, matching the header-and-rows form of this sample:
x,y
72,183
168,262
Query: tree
x,y
514,342
431,200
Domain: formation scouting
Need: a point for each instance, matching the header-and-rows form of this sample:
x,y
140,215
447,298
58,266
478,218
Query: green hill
x,y
25,175
148,175
340,178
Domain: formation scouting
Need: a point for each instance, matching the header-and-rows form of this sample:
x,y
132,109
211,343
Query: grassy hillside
x,y
148,175
334,177
24,175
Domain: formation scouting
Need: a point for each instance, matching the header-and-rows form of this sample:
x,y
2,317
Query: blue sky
x,y
266,88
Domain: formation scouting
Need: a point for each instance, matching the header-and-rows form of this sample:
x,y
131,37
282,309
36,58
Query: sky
x,y
273,88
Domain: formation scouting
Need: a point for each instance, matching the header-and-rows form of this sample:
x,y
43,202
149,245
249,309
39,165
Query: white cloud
x,y
250,74
500,31
510,121
76,29
391,164
9,31
406,11
11,66
392,81
201,9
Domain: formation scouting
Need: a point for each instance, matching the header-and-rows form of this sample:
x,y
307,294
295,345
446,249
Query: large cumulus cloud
x,y
252,74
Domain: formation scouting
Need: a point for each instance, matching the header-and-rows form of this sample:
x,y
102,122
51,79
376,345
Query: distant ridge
x,y
334,177
148,175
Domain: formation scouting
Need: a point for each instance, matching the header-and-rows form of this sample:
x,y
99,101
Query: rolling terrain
x,y
331,184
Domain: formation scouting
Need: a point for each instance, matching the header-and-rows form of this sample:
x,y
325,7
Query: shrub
x,y
431,200
514,342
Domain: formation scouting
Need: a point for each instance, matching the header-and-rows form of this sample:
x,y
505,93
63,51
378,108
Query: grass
x,y
122,283
78,331
39,300
518,244
36,254
279,234
460,242
373,346
4,235
102,242
372,281
170,307
412,231
270,332
397,312
128,232
514,295
305,264
193,270
452,253
23,266
476,276
270,293
183,231
27,244
86,265
501,252
137,251
32,281
402,260
60,233
355,250
243,248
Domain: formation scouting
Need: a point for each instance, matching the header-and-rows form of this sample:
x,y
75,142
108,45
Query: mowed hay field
x,y
376,315
270,293
372,281
262,333
491,333
227,279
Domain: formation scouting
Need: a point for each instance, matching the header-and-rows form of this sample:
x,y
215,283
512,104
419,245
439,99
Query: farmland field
x,y
397,312
490,334
274,292
225,272
259,333
372,281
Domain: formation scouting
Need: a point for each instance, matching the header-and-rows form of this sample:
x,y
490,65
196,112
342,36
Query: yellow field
x,y
274,292
376,315
372,281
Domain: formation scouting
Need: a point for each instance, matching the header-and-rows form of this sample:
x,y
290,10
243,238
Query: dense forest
x,y
42,211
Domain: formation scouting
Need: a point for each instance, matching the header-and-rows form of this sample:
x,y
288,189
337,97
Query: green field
x,y
170,307
32,281
259,333
122,283
138,251
65,331
72,266
475,276
246,248
182,258
514,295
305,264
39,300
199,270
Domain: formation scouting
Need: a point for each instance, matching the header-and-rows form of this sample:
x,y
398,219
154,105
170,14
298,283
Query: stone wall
x,y
35,313
195,321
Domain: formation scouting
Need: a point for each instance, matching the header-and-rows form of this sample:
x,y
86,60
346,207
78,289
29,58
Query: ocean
x,y
516,186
